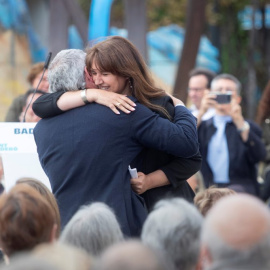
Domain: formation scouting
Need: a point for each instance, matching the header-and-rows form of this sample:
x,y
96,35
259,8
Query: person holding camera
x,y
230,146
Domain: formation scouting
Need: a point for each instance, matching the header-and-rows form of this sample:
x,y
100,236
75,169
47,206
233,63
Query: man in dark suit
x,y
85,152
230,146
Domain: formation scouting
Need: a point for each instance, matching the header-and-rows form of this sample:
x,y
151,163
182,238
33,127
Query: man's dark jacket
x,y
243,156
86,152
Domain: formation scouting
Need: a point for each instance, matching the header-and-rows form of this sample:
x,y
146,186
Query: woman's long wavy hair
x,y
120,57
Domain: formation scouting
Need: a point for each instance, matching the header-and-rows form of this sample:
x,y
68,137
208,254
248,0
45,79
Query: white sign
x,y
19,153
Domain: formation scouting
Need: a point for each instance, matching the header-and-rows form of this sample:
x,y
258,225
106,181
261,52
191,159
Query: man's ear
x,y
53,233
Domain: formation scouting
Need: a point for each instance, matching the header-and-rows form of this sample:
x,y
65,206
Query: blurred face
x,y
196,86
110,82
30,115
44,84
224,86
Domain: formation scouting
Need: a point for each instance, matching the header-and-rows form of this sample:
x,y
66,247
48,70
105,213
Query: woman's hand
x,y
149,181
140,184
112,100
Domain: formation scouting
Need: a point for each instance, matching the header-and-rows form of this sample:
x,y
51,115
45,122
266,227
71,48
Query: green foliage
x,y
163,12
85,5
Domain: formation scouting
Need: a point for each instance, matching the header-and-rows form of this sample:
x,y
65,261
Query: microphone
x,y
46,65
48,59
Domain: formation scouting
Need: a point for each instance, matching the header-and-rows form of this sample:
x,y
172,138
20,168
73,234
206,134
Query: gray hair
x,y
93,228
66,71
173,228
227,77
225,256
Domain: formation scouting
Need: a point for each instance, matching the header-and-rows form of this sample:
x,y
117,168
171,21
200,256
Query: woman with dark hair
x,y
26,220
117,59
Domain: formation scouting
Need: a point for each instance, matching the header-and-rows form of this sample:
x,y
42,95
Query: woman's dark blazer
x,y
177,170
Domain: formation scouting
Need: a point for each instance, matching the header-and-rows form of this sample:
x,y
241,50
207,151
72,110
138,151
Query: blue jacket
x,y
243,156
85,153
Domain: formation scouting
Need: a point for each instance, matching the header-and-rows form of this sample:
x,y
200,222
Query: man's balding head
x,y
237,232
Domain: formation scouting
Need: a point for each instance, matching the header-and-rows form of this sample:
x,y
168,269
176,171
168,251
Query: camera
x,y
223,98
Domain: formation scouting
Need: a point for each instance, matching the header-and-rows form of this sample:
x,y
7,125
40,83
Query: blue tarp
x,y
14,15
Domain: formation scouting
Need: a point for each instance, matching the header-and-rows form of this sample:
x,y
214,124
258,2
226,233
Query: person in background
x,y
34,76
236,234
199,84
231,147
27,114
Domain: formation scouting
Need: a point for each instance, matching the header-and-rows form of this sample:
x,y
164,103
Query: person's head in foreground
x,y
63,256
93,228
47,194
205,199
131,255
236,234
173,229
26,220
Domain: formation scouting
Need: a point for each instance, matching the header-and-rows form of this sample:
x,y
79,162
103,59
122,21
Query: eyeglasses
x,y
196,89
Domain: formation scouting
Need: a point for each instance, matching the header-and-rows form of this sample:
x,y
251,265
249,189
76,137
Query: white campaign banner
x,y
19,153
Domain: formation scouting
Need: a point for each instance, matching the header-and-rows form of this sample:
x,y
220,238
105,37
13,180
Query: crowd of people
x,y
196,202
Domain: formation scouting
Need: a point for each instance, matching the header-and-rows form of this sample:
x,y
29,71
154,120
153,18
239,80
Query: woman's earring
x,y
130,84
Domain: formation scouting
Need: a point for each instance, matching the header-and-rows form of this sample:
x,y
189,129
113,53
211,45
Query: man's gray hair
x,y
224,256
93,228
66,71
227,77
173,228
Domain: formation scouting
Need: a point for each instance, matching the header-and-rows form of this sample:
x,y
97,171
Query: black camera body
x,y
223,98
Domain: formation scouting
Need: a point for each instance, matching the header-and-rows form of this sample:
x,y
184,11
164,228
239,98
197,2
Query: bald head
x,y
240,221
132,255
237,226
